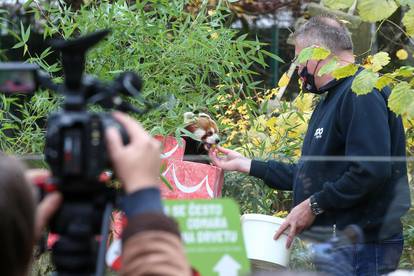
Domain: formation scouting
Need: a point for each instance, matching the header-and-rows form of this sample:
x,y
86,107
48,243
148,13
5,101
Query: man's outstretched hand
x,y
230,160
300,218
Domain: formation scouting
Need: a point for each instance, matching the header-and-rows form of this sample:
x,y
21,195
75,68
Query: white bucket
x,y
258,231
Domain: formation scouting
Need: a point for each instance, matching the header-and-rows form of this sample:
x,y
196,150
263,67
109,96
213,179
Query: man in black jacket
x,y
353,181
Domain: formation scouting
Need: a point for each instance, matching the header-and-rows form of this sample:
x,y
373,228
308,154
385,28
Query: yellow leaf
x,y
383,81
364,82
214,36
211,12
304,102
284,80
402,54
401,99
271,122
338,4
379,60
320,53
376,10
408,21
281,214
345,71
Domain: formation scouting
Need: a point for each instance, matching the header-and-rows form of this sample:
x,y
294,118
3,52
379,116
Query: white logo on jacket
x,y
318,133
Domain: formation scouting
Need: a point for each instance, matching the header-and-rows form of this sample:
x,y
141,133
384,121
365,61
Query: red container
x,y
188,179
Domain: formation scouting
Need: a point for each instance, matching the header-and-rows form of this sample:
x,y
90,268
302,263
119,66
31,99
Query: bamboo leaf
x,y
275,57
166,182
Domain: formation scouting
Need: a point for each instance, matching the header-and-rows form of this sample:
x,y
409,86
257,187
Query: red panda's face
x,y
205,129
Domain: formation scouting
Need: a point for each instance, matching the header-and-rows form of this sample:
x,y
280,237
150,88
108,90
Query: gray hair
x,y
326,31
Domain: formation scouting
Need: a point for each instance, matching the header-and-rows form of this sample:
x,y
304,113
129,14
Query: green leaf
x,y
312,53
406,2
364,82
275,57
25,49
27,4
24,34
320,53
18,45
404,71
345,71
383,81
379,60
166,182
305,55
338,4
376,10
408,21
401,99
328,67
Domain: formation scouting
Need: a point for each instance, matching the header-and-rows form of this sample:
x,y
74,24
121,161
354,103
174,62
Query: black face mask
x,y
308,80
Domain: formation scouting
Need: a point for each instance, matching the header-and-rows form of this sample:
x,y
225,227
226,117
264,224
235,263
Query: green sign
x,y
212,235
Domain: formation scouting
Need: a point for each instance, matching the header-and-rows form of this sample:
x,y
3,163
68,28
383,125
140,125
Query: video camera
x,y
76,149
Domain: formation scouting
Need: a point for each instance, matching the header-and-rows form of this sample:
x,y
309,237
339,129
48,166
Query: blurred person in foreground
x,y
151,241
373,195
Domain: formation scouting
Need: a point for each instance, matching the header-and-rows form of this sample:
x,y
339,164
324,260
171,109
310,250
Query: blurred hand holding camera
x,y
136,164
49,205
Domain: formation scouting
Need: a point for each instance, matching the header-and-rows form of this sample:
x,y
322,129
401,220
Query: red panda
x,y
206,132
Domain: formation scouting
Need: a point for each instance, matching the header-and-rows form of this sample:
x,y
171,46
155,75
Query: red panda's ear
x,y
204,115
189,117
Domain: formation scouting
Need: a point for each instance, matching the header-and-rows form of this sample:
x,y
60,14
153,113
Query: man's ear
x,y
189,117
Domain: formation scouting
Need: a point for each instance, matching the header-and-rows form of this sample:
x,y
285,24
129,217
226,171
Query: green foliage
x,y
408,21
186,60
338,5
379,60
364,82
406,2
253,196
376,10
383,81
329,67
401,100
24,133
345,71
312,53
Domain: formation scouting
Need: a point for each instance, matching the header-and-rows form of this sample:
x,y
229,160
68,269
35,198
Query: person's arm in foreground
x,y
277,175
151,241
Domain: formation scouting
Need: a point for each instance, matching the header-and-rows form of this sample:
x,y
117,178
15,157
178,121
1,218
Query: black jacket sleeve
x,y
277,175
363,122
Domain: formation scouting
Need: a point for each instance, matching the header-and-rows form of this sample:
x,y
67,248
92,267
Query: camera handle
x,y
100,262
